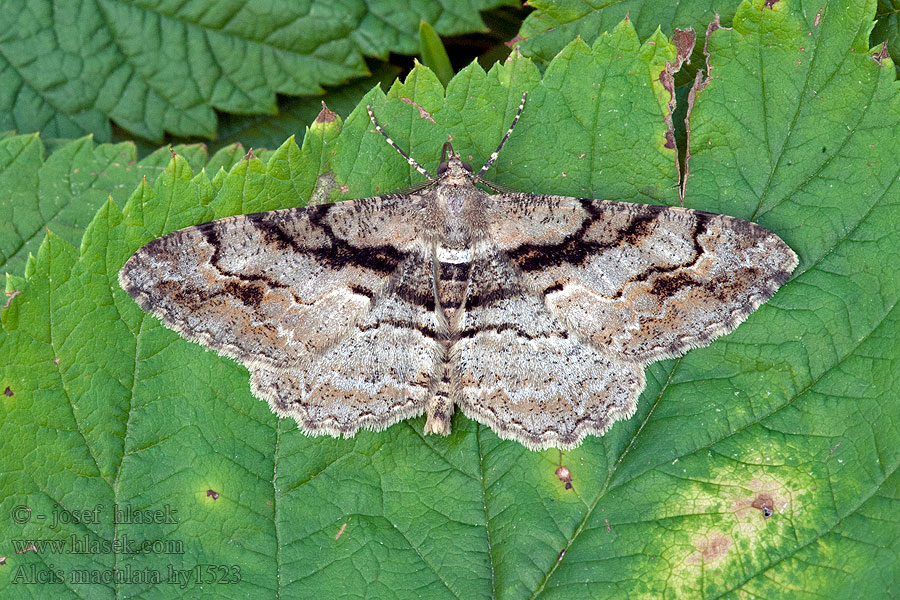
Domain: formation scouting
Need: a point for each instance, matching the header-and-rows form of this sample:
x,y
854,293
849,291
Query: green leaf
x,y
294,114
63,192
793,413
434,55
69,68
887,28
554,22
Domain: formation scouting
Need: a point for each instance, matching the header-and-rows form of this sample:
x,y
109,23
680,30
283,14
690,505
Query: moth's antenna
x,y
411,162
493,157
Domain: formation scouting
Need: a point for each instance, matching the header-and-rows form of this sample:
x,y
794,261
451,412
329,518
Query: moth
x,y
534,314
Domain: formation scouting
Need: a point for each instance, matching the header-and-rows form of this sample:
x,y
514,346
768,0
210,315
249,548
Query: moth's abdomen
x,y
451,284
452,268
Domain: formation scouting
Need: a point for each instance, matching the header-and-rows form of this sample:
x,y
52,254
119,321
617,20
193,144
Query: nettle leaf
x,y
554,22
764,462
887,29
269,131
70,68
63,191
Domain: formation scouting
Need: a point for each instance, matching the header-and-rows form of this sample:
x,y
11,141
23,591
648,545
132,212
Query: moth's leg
x,y
493,157
411,161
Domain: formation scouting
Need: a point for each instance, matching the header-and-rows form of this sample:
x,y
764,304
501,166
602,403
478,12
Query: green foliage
x,y
434,55
554,22
887,28
794,412
294,114
68,68
63,192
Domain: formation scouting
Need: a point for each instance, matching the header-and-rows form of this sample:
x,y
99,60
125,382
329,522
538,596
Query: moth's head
x,y
452,168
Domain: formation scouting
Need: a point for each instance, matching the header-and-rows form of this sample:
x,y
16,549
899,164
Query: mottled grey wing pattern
x,y
517,368
535,314
548,307
284,292
571,298
639,282
381,371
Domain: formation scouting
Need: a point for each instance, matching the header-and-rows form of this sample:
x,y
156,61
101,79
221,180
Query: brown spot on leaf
x,y
249,155
710,549
340,531
607,525
325,115
10,296
422,112
881,54
212,494
28,548
8,392
684,40
766,497
765,503
515,41
771,3
2,560
564,475
670,140
818,18
715,548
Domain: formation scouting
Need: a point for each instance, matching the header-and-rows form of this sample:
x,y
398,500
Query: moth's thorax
x,y
459,210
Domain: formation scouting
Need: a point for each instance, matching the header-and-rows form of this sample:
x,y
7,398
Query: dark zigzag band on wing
x,y
575,250
367,312
337,252
471,332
